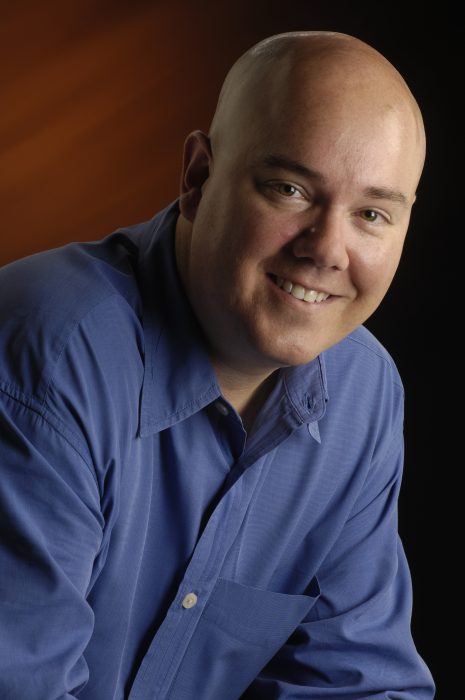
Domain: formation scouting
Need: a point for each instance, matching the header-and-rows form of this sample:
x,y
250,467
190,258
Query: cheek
x,y
242,222
374,269
264,234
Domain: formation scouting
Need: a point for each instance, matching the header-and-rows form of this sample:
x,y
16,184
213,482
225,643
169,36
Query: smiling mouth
x,y
311,296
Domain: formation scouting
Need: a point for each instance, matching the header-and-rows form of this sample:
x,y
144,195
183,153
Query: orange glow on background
x,y
97,100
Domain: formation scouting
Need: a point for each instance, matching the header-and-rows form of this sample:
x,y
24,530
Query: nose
x,y
323,243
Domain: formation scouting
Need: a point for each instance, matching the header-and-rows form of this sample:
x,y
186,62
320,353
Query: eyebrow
x,y
386,193
295,166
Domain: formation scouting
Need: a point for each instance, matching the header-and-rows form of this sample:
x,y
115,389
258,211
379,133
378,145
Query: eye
x,y
286,189
371,216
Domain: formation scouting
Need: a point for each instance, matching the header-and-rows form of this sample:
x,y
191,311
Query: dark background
x,y
97,98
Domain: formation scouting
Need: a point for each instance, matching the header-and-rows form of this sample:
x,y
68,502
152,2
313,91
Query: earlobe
x,y
197,159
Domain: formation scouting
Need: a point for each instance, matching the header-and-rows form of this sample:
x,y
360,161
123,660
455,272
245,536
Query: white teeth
x,y
310,295
299,292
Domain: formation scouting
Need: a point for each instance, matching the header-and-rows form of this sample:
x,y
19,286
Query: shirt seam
x,y
57,426
395,440
396,433
67,340
386,360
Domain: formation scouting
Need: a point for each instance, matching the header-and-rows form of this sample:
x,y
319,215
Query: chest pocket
x,y
240,630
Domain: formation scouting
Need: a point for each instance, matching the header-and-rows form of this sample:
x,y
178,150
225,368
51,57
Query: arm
x,y
356,642
50,534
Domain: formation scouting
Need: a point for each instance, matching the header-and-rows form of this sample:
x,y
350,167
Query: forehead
x,y
344,113
335,152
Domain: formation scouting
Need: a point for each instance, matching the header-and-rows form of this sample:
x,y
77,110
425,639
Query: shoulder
x,y
362,356
46,297
366,395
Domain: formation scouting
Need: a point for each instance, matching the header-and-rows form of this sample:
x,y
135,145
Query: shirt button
x,y
189,601
221,408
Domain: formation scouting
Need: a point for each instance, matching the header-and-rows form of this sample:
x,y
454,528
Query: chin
x,y
288,354
294,359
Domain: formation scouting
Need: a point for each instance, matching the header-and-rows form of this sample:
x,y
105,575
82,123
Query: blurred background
x,y
98,96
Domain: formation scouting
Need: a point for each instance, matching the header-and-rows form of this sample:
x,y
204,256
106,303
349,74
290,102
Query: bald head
x,y
310,72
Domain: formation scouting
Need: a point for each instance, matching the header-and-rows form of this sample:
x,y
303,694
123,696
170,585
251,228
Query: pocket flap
x,y
256,615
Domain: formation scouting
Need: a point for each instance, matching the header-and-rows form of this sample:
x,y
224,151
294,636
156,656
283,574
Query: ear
x,y
197,161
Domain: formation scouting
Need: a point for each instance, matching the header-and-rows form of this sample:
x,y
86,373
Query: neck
x,y
246,392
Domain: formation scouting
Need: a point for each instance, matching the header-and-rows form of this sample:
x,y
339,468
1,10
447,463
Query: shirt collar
x,y
179,379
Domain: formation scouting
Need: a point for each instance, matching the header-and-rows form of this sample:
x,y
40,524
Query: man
x,y
201,446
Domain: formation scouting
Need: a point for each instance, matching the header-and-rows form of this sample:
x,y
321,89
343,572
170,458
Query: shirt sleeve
x,y
356,641
50,533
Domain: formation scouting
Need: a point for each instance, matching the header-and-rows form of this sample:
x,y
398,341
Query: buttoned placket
x,y
167,650
169,645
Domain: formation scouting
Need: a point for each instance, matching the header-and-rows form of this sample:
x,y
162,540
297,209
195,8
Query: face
x,y
298,227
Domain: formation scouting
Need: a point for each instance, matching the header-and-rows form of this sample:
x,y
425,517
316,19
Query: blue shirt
x,y
148,550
